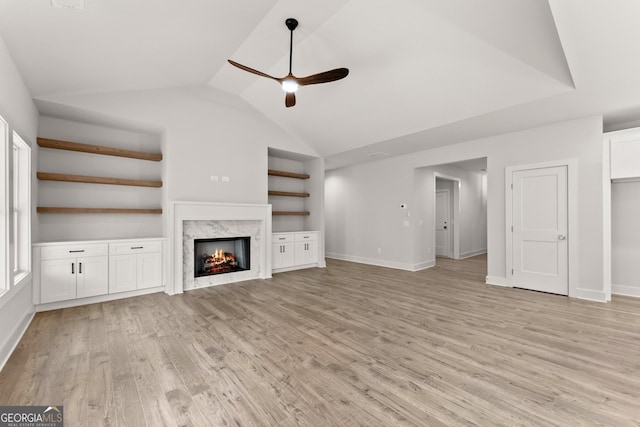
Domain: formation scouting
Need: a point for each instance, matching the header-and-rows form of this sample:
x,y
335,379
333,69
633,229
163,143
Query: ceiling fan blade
x,y
251,70
290,99
325,77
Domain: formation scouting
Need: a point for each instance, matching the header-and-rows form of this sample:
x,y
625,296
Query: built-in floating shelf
x,y
287,194
42,209
274,172
46,176
301,213
97,149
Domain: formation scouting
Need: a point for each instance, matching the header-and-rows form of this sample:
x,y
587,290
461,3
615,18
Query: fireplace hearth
x,y
221,255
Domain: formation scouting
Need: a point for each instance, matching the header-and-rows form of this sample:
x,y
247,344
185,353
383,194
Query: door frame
x,y
455,214
450,229
572,218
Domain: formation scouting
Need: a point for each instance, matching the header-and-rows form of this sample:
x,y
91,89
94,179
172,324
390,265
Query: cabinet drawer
x,y
281,238
305,237
79,250
133,247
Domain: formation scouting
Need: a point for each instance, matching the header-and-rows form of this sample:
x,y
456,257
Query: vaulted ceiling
x,y
423,73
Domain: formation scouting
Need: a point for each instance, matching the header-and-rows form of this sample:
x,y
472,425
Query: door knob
x,y
562,237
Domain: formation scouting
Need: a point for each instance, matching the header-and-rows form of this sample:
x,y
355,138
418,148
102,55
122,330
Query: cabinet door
x,y
58,280
283,255
92,276
311,254
149,272
122,273
306,252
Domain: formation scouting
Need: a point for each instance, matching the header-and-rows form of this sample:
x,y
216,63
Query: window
x,y
21,208
4,202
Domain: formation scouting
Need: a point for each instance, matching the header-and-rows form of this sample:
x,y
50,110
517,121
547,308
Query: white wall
x,y
362,201
206,132
17,108
625,238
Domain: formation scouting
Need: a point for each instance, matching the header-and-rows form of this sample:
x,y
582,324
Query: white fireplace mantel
x,y
180,211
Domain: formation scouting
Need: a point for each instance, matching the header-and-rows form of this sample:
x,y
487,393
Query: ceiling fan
x,y
290,83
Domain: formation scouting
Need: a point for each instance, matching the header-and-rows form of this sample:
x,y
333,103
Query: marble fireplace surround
x,y
196,220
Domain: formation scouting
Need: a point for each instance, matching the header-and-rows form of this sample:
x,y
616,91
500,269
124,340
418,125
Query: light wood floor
x,y
347,345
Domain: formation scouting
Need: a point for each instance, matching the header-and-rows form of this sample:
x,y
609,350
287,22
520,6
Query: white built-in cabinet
x,y
74,273
283,251
294,250
134,265
625,155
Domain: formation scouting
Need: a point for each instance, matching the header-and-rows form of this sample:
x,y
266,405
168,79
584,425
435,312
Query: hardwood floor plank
x,y
349,345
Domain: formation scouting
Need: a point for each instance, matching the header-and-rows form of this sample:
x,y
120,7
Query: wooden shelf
x,y
42,209
274,172
287,194
46,176
97,149
301,213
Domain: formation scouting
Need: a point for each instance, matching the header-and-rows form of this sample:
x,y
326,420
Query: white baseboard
x,y
371,261
293,268
497,281
475,252
98,299
591,295
13,340
629,291
424,265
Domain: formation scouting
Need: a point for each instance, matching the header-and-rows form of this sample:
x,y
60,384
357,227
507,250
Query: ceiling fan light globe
x,y
289,86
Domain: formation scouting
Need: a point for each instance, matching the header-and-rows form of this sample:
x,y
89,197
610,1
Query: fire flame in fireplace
x,y
219,262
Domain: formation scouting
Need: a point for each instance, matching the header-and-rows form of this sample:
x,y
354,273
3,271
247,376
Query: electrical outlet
x,y
379,251
214,178
225,179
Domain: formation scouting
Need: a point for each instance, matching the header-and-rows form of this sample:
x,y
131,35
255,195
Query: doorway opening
x,y
459,199
447,241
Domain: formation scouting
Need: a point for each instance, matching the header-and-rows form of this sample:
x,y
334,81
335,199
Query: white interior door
x,y
443,223
540,217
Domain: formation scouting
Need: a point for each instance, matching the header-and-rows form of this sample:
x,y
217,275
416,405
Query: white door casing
x,y
540,229
443,223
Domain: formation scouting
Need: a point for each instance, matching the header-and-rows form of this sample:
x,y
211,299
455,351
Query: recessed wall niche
x,y
88,226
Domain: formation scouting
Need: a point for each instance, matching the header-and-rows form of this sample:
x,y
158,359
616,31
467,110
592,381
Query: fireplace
x,y
221,255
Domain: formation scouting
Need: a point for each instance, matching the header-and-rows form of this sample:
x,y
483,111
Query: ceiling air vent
x,y
68,4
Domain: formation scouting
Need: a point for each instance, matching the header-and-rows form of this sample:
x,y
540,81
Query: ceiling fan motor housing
x,y
291,23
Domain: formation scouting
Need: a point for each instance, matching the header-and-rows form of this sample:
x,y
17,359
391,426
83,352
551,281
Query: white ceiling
x,y
423,73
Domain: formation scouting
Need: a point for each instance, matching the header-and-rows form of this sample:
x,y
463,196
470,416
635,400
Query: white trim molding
x,y
12,341
590,294
497,281
473,253
629,291
371,261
